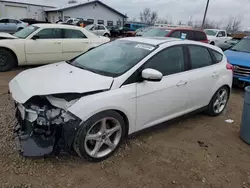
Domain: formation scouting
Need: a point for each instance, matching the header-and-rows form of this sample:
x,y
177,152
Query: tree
x,y
148,16
233,25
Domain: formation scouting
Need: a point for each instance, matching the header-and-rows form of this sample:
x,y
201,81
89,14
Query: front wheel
x,y
218,102
100,136
7,60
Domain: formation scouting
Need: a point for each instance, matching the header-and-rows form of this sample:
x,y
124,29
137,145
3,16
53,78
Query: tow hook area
x,y
44,131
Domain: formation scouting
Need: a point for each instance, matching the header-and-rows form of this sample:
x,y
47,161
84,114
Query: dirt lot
x,y
198,151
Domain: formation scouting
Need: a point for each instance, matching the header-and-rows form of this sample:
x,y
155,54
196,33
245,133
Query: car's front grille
x,y
241,71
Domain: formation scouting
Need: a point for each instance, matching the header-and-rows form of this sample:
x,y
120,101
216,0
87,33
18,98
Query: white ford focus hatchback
x,y
91,103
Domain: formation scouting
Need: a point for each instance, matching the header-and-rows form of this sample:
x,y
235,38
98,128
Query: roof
x,y
84,4
179,28
57,26
151,40
30,2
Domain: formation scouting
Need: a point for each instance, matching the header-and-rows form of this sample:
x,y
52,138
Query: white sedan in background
x,y
45,43
92,102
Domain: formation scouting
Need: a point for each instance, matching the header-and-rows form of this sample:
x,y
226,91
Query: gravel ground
x,y
198,151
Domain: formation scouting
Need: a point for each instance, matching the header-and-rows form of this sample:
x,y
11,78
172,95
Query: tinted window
x,y
50,34
168,61
217,56
222,34
99,27
156,33
13,21
176,34
200,36
110,23
4,21
200,57
91,21
73,34
190,35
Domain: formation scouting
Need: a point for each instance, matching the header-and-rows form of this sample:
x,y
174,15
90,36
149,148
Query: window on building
x,y
168,61
72,34
110,23
100,22
50,33
91,21
200,57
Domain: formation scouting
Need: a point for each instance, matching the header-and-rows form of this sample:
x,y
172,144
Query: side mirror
x,y
35,37
151,75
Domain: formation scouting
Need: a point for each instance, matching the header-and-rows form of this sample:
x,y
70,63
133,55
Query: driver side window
x,y
168,61
50,33
222,34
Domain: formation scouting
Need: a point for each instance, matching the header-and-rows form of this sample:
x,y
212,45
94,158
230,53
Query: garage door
x,y
15,12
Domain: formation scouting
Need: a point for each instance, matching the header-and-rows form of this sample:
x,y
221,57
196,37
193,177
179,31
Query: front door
x,y
74,43
4,25
45,47
167,99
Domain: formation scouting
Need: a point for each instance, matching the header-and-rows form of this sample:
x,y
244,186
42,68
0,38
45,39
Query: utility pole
x,y
205,14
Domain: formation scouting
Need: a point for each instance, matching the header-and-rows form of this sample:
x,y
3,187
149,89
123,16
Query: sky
x,y
182,10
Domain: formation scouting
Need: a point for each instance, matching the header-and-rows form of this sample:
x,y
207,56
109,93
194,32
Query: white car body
x,y
43,51
99,30
220,36
144,104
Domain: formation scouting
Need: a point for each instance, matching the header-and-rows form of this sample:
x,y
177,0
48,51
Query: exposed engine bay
x,y
44,129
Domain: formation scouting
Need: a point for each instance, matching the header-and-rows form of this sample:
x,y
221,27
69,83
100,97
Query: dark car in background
x,y
191,34
114,31
31,21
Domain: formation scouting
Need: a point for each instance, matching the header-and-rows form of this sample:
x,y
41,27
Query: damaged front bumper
x,y
44,131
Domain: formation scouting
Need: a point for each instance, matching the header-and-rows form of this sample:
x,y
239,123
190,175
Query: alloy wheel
x,y
103,137
220,101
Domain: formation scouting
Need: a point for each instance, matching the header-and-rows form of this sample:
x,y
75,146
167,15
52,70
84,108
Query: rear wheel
x,y
218,102
7,60
212,43
100,136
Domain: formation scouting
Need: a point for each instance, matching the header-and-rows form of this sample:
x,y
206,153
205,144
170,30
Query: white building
x,y
93,11
19,9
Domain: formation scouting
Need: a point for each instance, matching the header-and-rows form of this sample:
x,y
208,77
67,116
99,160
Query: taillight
x,y
229,66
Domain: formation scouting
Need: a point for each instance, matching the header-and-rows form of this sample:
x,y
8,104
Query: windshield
x,y
24,33
114,58
156,33
210,32
242,46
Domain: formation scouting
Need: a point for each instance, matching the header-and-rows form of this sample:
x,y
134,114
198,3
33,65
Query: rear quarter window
x,y
200,36
217,56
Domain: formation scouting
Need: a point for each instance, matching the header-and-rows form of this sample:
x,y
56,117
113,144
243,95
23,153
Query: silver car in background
x,y
9,25
99,30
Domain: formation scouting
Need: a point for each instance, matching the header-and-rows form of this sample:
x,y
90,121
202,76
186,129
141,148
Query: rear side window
x,y
200,36
217,56
73,34
176,34
190,35
168,61
200,57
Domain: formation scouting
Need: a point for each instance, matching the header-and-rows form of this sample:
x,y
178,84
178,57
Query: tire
x,y
215,110
7,60
212,43
95,146
106,35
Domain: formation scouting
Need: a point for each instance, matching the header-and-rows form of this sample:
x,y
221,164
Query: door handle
x,y
181,83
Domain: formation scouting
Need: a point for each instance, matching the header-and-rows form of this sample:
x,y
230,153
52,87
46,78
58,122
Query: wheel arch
x,y
12,52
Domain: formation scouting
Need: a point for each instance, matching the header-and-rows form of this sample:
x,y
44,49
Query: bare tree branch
x,y
148,16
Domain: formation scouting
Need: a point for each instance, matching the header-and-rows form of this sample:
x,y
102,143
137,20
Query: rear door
x,y
47,48
13,25
74,43
202,76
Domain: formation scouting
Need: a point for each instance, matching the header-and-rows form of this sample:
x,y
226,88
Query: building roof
x,y
31,2
83,4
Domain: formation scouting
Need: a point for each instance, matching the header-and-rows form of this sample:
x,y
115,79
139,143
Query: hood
x,y
58,78
238,58
7,36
